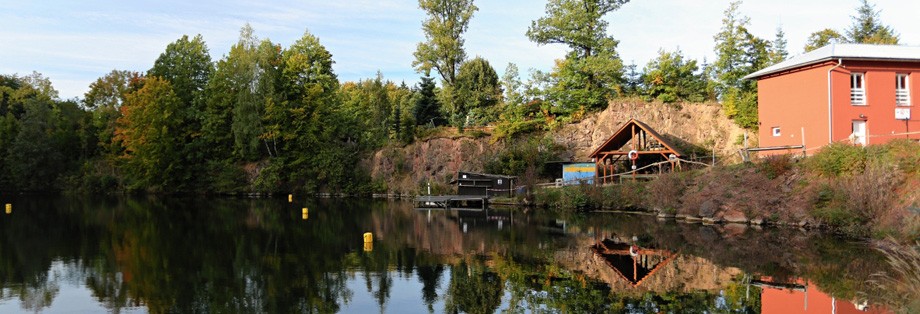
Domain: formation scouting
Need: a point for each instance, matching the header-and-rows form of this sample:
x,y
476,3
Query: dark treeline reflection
x,y
225,255
168,255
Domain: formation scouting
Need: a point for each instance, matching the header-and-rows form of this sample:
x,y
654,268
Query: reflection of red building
x,y
805,298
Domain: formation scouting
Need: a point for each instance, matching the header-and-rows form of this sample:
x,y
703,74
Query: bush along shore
x,y
864,192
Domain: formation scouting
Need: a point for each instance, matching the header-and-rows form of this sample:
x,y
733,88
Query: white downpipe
x,y
830,102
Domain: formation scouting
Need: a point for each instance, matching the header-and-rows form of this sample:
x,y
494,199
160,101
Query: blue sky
x,y
75,42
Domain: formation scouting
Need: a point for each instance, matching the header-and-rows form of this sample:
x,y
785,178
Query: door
x,y
859,132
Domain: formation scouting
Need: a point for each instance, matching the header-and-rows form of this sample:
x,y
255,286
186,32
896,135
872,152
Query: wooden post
x,y
633,148
635,270
804,152
597,173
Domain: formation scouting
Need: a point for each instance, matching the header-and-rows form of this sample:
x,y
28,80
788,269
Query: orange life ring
x,y
633,155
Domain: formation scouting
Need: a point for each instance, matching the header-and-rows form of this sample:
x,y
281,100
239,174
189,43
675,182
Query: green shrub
x,y
522,156
567,199
270,179
856,204
224,176
839,159
628,195
508,129
667,192
775,166
575,198
548,197
903,153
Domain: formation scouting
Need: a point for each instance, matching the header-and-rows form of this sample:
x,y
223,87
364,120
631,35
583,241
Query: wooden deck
x,y
451,201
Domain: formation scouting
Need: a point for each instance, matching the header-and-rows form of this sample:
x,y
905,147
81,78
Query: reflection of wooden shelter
x,y
649,145
632,263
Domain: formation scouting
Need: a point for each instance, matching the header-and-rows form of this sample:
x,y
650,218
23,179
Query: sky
x,y
75,42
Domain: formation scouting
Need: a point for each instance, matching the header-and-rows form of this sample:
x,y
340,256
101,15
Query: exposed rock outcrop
x,y
407,169
702,125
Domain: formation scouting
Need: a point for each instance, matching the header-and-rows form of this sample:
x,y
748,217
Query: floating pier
x,y
452,201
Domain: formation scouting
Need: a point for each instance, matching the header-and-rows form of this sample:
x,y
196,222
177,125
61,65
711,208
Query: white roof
x,y
846,52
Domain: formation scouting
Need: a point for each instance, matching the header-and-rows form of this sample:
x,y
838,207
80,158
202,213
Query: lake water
x,y
225,255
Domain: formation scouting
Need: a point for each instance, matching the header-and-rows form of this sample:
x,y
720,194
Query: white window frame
x,y
858,88
902,89
776,131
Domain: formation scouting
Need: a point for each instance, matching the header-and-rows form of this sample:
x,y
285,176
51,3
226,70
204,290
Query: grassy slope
x,y
863,192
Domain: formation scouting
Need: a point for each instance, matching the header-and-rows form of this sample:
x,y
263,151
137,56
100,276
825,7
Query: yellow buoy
x,y
305,216
368,246
9,209
368,237
290,198
305,211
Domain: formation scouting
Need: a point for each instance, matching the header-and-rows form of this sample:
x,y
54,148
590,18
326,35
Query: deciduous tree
x,y
511,85
186,64
574,23
236,96
592,70
823,38
104,98
442,49
739,53
670,78
152,128
478,90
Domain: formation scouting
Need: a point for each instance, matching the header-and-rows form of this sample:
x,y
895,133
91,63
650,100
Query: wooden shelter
x,y
631,147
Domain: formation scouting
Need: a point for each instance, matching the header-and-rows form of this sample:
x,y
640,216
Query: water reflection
x,y
800,296
241,256
631,262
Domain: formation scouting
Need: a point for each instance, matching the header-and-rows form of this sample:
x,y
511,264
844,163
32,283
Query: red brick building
x,y
856,93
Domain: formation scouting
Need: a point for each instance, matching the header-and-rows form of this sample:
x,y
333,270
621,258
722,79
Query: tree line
x,y
271,118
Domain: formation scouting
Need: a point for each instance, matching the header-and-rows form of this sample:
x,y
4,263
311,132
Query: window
x,y
776,131
902,90
857,89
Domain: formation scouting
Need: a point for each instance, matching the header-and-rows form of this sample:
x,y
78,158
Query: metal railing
x,y
857,96
609,178
902,97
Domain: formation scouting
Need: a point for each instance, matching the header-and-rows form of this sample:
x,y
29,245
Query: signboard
x,y
575,172
902,113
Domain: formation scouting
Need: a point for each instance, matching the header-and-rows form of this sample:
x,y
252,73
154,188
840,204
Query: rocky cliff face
x,y
701,125
406,169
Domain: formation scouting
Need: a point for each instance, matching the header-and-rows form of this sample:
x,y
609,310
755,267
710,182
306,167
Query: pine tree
x,y
867,29
778,52
427,108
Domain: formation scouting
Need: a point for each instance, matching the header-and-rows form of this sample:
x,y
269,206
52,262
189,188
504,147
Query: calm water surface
x,y
189,255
